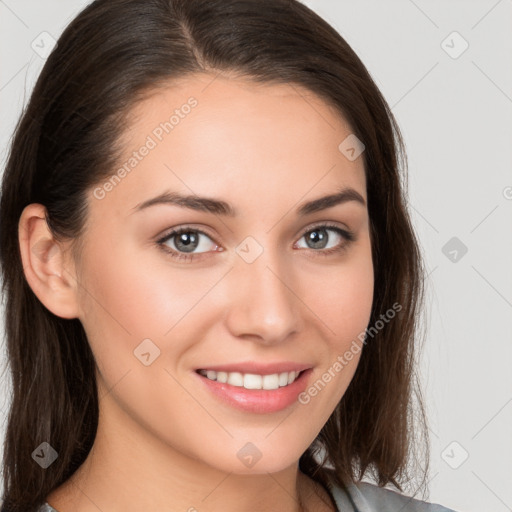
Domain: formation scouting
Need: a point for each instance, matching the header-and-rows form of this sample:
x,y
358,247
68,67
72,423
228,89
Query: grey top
x,y
364,497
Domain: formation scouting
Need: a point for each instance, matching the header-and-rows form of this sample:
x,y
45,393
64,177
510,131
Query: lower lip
x,y
258,400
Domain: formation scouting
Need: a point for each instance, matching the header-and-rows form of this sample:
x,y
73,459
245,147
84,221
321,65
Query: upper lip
x,y
258,368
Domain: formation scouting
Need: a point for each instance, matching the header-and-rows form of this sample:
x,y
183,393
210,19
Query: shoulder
x,y
367,497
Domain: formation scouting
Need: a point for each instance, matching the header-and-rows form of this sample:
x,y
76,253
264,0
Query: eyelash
x,y
349,237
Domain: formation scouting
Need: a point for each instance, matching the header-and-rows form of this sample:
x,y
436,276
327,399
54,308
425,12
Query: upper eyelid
x,y
325,223
183,229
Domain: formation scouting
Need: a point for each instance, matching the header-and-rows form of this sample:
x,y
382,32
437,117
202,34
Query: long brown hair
x,y
110,56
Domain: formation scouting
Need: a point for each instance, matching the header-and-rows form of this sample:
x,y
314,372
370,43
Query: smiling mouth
x,y
252,380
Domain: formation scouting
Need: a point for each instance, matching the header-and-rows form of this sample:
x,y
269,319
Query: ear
x,y
47,266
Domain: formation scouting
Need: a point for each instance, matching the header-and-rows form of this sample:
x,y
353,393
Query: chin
x,y
249,459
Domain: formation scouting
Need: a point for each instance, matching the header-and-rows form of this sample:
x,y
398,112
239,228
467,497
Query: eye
x,y
184,241
319,239
187,243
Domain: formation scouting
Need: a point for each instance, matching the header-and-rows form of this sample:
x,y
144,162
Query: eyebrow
x,y
218,207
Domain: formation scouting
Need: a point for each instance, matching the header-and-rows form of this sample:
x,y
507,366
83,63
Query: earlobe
x,y
48,271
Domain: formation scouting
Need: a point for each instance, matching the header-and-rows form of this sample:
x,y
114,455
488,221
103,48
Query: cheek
x,y
128,297
342,296
343,304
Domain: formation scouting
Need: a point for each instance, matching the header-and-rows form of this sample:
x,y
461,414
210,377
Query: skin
x,y
164,442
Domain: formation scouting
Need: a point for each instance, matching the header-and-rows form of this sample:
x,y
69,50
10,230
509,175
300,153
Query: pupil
x,y
318,238
187,240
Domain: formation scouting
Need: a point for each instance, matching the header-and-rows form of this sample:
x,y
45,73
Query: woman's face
x,y
258,278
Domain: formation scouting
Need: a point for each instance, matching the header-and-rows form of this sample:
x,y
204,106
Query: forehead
x,y
235,139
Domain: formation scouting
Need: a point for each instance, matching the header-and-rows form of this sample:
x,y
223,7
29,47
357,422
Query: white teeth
x,y
235,379
211,374
252,381
271,381
283,379
221,376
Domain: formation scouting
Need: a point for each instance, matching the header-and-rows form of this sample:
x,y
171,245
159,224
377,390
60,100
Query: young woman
x,y
211,280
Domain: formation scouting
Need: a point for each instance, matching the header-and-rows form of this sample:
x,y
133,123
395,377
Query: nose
x,y
263,305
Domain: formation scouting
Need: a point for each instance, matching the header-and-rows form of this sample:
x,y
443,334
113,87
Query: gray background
x,y
454,111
